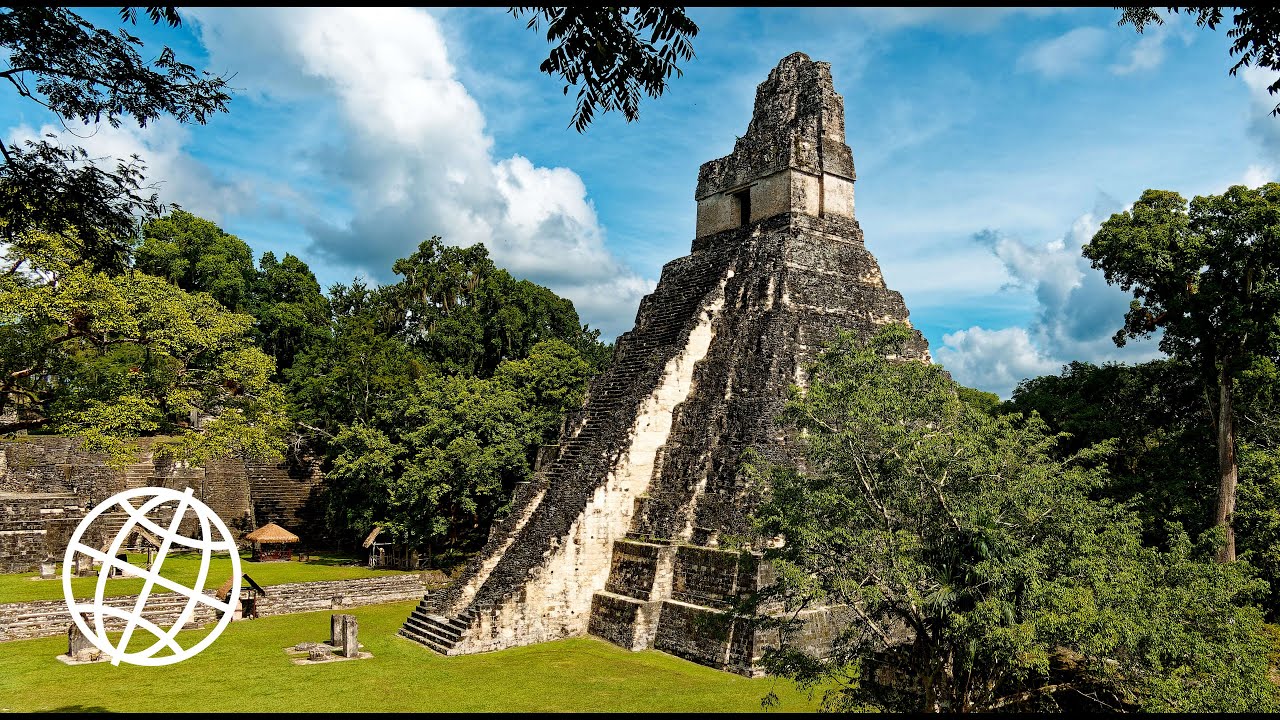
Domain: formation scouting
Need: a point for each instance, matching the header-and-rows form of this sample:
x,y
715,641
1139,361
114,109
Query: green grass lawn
x,y
246,670
22,587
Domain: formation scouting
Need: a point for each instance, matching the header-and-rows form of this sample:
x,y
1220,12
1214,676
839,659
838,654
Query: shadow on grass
x,y
332,560
78,709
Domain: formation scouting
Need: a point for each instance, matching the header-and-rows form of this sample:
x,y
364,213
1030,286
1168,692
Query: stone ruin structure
x,y
620,533
48,484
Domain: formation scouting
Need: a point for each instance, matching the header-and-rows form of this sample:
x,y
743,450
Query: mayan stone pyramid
x,y
619,534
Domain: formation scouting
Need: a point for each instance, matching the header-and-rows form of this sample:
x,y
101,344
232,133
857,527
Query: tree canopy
x,y
431,395
1150,425
982,574
1208,276
113,356
60,61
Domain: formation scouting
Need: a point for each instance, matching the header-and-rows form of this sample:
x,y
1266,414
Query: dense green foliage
x,y
291,312
283,297
463,314
1208,275
88,344
984,574
1159,451
428,397
433,394
1148,422
110,357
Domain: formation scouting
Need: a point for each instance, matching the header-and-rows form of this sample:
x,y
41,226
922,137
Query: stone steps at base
x,y
430,633
421,640
439,625
437,632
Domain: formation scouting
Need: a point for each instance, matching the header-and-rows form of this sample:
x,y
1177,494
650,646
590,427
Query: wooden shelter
x,y
246,606
386,553
272,542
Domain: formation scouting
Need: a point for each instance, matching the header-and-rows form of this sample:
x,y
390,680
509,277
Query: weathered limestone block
x,y
335,629
350,636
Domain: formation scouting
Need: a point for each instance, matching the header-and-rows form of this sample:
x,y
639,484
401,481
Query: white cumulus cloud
x,y
1077,313
1258,175
407,142
993,360
1263,126
173,174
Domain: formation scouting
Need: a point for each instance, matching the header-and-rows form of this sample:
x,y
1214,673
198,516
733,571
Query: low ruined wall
x,y
332,594
39,474
51,464
35,527
47,618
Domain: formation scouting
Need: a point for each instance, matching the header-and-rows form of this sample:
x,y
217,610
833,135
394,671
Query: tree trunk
x,y
1226,464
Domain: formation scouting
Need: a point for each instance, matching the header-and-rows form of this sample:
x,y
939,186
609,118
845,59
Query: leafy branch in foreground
x,y
1255,35
606,51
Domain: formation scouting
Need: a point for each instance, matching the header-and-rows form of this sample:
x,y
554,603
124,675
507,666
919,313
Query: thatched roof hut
x,y
271,542
272,534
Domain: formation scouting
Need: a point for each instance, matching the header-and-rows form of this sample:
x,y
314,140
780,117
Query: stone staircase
x,y
280,493
137,475
436,631
663,319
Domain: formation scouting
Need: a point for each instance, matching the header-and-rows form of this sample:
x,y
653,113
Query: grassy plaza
x,y
247,670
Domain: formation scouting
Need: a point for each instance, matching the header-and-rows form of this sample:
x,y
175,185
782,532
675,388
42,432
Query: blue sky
x,y
989,145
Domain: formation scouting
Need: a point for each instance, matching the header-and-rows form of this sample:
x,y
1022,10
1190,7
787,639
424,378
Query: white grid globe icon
x,y
150,500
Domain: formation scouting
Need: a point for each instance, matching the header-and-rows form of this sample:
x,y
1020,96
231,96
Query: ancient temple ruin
x,y
624,532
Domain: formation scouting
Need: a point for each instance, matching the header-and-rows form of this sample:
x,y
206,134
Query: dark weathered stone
x,y
619,533
77,642
47,484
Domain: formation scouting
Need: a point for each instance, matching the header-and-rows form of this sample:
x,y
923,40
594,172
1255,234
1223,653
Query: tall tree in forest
x,y
466,315
1154,436
198,256
1208,275
291,312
